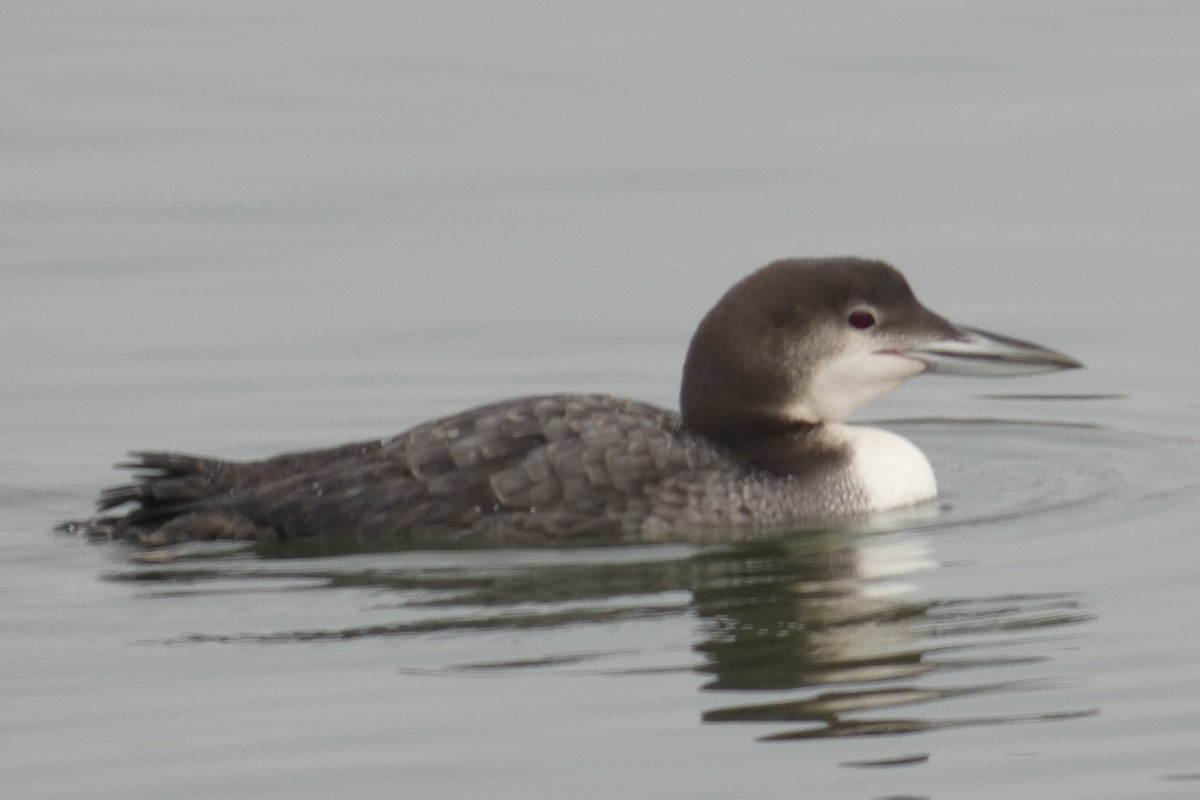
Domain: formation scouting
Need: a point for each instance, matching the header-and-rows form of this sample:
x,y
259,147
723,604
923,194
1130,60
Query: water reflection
x,y
825,629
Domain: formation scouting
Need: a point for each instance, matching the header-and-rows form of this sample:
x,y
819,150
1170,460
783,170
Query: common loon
x,y
772,369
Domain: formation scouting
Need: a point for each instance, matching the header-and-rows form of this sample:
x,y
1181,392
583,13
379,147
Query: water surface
x,y
245,229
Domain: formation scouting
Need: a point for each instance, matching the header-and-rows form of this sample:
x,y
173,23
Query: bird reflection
x,y
826,628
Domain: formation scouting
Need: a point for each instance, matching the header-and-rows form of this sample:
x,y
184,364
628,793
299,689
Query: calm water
x,y
241,229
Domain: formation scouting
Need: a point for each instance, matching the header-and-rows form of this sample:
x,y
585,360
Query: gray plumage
x,y
536,470
786,353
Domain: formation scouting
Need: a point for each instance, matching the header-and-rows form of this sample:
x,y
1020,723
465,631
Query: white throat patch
x,y
847,382
891,471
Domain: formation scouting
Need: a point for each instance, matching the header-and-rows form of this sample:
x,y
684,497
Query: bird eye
x,y
861,318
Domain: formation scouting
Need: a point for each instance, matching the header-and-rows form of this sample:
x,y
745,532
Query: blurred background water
x,y
245,228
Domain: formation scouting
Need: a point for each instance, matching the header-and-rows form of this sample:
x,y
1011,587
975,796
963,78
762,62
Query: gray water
x,y
246,228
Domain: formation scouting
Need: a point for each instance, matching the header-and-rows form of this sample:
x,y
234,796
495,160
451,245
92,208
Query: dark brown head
x,y
808,341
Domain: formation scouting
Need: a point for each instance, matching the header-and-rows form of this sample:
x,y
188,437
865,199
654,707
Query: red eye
x,y
861,319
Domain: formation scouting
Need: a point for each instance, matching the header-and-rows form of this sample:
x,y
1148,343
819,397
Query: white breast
x,y
891,471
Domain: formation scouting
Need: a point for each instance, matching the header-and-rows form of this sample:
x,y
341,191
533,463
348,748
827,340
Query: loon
x,y
759,443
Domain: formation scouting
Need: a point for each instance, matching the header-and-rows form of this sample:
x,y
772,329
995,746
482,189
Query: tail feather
x,y
177,496
166,479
